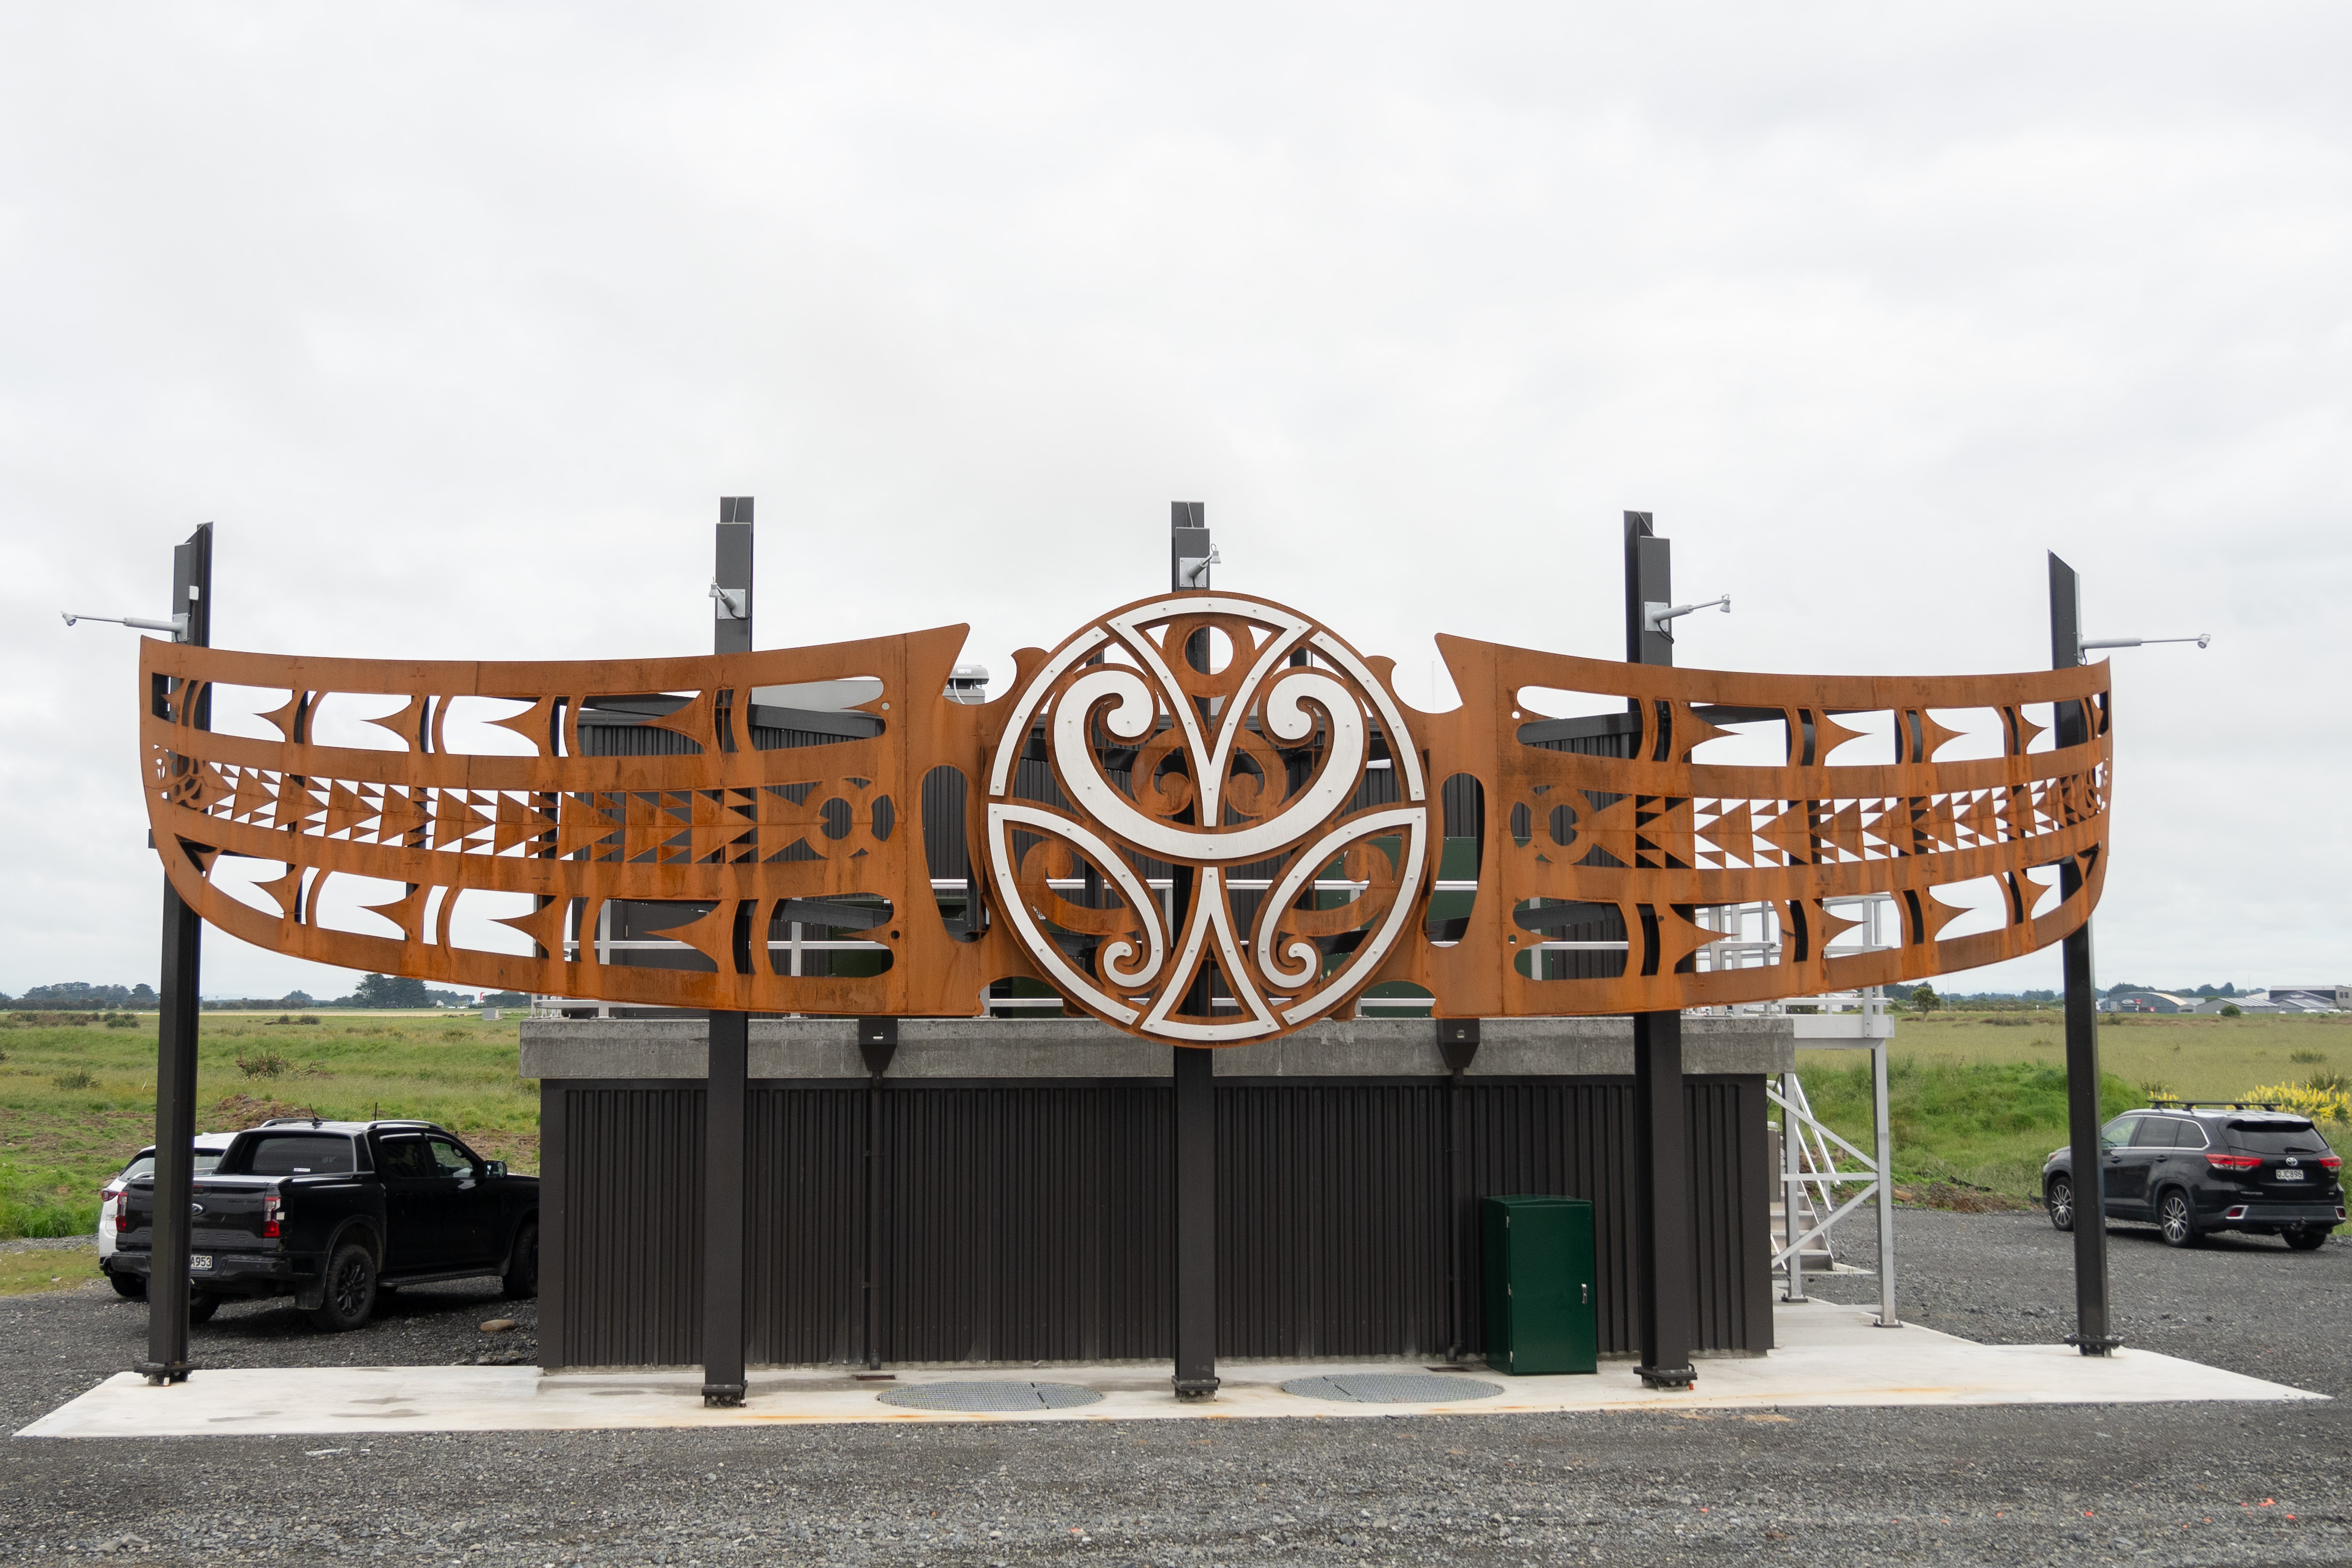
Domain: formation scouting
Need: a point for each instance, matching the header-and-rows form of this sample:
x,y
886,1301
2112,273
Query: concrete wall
x,y
624,1049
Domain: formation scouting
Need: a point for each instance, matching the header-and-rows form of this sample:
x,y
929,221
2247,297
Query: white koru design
x,y
1150,819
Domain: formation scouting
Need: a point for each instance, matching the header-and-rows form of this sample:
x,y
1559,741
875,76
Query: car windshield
x,y
207,1160
2277,1137
298,1154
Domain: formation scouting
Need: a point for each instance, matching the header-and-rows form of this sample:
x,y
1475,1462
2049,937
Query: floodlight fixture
x,y
1655,615
732,601
2085,644
1195,569
177,625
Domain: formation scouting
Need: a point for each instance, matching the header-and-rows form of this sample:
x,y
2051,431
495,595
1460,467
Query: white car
x,y
209,1148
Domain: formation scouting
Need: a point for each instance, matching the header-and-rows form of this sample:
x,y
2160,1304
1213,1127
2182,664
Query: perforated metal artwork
x,y
1204,818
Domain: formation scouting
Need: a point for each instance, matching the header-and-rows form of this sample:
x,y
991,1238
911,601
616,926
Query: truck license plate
x,y
2286,1175
199,1262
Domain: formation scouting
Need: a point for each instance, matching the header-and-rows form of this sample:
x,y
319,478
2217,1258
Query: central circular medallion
x,y
1206,819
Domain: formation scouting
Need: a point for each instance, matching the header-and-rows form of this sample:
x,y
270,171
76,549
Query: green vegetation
x,y
60,1269
77,1099
1980,1098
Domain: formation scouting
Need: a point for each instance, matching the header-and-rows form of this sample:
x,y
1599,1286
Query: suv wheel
x,y
2175,1220
2060,1200
521,1277
350,1289
2306,1238
134,1286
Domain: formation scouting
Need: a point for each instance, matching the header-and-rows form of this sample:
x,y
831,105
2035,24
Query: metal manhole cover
x,y
992,1397
1390,1388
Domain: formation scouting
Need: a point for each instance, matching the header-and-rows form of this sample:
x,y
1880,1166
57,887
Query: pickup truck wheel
x,y
132,1286
521,1277
350,1289
201,1308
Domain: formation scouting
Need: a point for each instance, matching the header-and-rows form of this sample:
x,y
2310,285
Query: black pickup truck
x,y
329,1212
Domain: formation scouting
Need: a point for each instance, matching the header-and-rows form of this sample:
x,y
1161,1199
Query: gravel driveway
x,y
2158,1484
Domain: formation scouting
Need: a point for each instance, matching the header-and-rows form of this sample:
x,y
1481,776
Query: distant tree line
x,y
374,991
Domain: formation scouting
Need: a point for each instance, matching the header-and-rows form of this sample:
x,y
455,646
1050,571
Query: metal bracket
x,y
725,1396
1457,1042
2095,1344
731,603
1655,614
1668,1376
2085,644
878,1041
1196,1387
177,625
1190,569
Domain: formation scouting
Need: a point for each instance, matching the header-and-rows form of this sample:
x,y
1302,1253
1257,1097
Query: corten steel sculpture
x,y
1204,819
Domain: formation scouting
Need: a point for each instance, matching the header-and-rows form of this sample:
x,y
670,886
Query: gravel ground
x,y
2159,1484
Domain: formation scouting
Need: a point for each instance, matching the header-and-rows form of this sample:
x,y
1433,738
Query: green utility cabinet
x,y
1540,1295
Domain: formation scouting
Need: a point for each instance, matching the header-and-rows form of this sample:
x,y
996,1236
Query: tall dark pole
x,y
2091,1334
1663,1248
726,1093
1195,1100
176,1021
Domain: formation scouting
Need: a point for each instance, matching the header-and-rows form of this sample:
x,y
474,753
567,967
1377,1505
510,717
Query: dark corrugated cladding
x,y
1031,1222
803,1151
1024,1223
632,1243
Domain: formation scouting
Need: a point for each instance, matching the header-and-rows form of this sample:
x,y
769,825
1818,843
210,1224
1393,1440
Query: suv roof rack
x,y
295,1122
2155,1104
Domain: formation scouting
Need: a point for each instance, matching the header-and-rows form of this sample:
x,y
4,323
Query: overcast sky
x,y
458,321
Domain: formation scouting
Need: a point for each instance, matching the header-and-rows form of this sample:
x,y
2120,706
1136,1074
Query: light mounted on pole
x,y
1656,614
2085,644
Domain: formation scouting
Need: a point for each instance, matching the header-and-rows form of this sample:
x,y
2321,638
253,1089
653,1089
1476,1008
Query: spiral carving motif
x,y
1227,830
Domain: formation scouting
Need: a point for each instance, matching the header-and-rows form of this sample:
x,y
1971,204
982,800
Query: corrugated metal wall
x,y
1025,1222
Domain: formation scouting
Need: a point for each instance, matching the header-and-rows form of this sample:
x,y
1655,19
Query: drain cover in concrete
x,y
1390,1388
992,1397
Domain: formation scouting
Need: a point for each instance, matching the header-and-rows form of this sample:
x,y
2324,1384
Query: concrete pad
x,y
1830,1355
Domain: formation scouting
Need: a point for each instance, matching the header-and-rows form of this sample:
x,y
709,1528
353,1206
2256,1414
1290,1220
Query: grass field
x,y
61,1269
76,1101
1980,1099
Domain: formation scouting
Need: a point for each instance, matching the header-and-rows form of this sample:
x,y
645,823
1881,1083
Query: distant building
x,y
2312,999
2148,1002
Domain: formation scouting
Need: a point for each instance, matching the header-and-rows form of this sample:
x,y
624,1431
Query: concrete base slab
x,y
1829,1355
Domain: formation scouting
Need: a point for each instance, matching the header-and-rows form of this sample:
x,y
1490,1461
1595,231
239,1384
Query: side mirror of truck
x,y
494,1167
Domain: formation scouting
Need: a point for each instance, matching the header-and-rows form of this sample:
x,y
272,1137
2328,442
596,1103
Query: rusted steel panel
x,y
1295,806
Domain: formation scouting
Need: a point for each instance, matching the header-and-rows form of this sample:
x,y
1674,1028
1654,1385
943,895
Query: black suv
x,y
2195,1168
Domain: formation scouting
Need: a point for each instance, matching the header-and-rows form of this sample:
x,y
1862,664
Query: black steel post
x,y
2091,1334
176,1024
1195,1100
722,1212
1457,1044
726,1096
878,1041
1661,1224
1196,1223
1664,1245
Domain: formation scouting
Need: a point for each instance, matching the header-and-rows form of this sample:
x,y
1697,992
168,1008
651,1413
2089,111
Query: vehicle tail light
x,y
2222,1162
122,1212
270,1206
2237,1213
2331,1162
